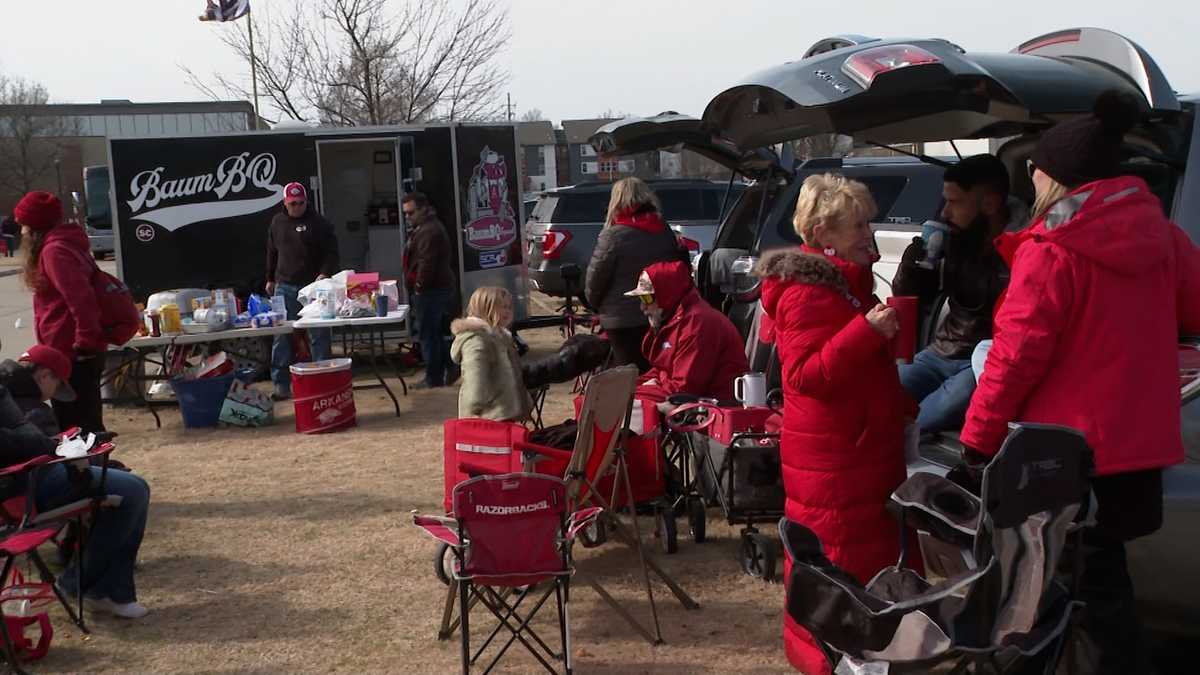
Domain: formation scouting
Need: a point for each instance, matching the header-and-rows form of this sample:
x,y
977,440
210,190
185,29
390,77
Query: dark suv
x,y
564,226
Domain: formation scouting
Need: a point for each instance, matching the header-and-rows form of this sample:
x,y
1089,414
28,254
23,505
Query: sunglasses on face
x,y
1030,167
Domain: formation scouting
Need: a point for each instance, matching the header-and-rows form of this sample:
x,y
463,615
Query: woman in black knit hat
x,y
1087,338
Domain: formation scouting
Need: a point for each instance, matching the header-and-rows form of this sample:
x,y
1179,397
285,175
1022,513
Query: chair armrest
x,y
439,527
25,466
581,519
530,450
473,470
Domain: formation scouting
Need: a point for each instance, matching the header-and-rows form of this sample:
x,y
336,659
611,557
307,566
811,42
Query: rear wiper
x,y
924,158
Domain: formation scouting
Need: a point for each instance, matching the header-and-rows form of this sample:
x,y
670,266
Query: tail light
x,y
863,67
691,245
553,243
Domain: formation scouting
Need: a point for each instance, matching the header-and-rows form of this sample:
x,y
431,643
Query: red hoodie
x,y
64,308
698,350
1087,337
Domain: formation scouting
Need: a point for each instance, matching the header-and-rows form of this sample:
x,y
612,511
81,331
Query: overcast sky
x,y
571,58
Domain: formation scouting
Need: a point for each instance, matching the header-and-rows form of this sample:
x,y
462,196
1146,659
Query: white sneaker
x,y
125,610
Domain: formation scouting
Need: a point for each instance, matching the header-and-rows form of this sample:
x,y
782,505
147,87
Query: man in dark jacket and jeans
x,y
301,248
432,284
973,276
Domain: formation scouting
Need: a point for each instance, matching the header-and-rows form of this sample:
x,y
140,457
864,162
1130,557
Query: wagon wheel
x,y
667,532
595,534
757,556
443,563
696,520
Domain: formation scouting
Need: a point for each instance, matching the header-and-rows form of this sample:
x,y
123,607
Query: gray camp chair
x,y
1002,606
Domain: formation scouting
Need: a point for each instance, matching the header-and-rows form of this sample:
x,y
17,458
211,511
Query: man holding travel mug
x,y
972,276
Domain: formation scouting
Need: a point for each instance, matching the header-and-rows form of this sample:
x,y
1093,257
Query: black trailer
x,y
192,211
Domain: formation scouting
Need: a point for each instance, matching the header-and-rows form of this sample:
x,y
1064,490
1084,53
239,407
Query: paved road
x,y
16,303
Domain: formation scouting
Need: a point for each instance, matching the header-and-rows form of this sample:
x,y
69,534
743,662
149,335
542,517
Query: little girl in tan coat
x,y
492,385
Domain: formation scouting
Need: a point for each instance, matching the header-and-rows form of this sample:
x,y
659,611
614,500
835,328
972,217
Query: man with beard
x,y
972,275
692,348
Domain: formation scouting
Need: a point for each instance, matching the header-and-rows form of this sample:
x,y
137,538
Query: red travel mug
x,y
904,345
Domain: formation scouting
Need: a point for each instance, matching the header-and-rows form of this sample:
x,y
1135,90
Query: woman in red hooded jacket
x,y
59,270
1087,338
844,409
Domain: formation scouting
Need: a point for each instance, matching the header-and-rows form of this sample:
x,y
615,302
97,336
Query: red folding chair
x,y
510,535
21,521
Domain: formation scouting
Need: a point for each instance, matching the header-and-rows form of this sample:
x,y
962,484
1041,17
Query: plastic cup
x,y
904,345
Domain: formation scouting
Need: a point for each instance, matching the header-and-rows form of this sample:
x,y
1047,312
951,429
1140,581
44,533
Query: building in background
x,y
539,160
46,147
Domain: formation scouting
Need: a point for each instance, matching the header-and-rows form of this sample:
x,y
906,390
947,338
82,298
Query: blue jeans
x,y
281,351
431,308
942,386
113,539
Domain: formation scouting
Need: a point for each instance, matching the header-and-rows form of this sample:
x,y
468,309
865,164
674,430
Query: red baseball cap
x,y
57,363
294,192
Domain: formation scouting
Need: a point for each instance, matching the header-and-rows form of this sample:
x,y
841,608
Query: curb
x,y
9,273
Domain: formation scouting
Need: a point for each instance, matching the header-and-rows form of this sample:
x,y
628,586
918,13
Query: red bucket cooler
x,y
323,393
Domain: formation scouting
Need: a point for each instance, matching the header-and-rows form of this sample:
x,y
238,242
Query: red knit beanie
x,y
39,211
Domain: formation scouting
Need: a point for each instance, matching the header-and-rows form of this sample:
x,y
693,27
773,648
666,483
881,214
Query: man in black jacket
x,y
973,276
431,281
301,248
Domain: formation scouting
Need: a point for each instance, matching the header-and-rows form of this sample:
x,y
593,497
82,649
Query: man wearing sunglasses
x,y
972,276
692,348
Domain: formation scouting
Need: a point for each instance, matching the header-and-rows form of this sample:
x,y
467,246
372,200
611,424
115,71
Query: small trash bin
x,y
323,393
200,400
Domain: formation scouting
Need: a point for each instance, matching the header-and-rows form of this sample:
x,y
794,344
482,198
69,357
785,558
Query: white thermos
x,y
751,390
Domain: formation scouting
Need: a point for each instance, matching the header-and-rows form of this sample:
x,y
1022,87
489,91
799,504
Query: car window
x,y
886,190
581,207
682,205
740,227
543,210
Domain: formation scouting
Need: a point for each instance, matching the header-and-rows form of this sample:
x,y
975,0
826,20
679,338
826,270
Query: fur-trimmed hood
x,y
783,268
794,264
470,324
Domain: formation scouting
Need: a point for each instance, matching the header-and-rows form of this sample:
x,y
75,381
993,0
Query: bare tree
x,y
532,115
280,60
31,138
823,145
365,62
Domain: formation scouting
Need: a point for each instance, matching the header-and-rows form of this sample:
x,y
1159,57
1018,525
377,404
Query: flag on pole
x,y
225,10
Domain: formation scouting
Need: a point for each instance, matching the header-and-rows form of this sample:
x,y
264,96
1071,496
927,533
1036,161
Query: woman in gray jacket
x,y
492,385
634,237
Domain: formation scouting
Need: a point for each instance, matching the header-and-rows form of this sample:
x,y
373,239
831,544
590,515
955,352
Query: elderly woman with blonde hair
x,y
492,385
635,236
842,442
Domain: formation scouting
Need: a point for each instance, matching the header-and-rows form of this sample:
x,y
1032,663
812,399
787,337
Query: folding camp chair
x,y
512,531
24,528
598,454
1003,606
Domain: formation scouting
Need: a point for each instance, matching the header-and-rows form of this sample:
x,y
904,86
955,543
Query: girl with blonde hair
x,y
492,385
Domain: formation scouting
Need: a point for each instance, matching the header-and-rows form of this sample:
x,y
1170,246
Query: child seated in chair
x,y
492,384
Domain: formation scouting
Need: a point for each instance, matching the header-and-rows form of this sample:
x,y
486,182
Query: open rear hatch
x,y
893,91
673,132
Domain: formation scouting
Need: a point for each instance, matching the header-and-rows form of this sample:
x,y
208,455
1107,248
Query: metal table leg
x,y
383,350
375,366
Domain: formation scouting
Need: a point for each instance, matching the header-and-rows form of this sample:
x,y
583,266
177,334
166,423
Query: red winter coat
x,y
843,419
698,350
64,307
1087,337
